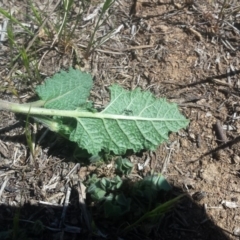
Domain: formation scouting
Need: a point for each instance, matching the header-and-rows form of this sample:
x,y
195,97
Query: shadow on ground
x,y
37,218
44,221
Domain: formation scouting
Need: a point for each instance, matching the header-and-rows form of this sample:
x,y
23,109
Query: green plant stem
x,y
13,19
105,7
30,108
158,211
39,103
33,39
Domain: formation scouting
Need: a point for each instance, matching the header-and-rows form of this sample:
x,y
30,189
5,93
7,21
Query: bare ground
x,y
176,50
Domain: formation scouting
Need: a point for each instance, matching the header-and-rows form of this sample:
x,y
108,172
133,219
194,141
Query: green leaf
x,y
159,182
112,210
117,206
96,192
105,183
123,201
116,183
66,90
99,194
133,120
149,187
114,129
99,188
124,166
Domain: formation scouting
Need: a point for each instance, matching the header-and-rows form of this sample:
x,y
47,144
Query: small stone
x,y
208,114
237,218
236,231
220,155
234,199
236,159
192,136
223,214
198,196
184,143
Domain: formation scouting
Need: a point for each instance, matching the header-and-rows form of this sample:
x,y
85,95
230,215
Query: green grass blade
x,y
158,211
13,19
36,14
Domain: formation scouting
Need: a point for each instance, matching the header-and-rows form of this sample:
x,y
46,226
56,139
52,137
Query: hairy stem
x,y
32,110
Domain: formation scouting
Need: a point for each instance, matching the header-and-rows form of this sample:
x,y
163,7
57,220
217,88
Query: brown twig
x,y
222,138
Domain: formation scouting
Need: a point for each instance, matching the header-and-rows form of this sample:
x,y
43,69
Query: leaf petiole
x,y
29,108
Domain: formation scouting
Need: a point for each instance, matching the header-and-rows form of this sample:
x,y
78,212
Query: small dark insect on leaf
x,y
128,112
